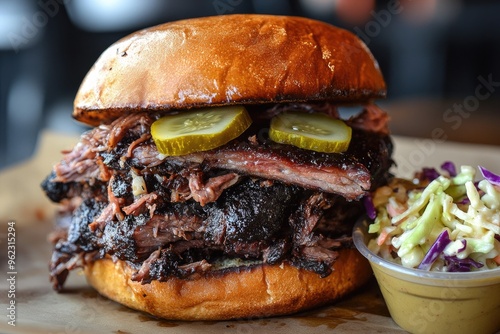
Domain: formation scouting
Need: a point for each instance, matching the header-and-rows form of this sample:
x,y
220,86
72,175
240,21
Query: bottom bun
x,y
243,292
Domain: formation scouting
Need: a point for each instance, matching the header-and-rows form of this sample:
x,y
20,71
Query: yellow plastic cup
x,y
435,302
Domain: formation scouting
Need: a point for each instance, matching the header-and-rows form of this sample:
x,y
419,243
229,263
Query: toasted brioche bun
x,y
224,60
258,291
232,59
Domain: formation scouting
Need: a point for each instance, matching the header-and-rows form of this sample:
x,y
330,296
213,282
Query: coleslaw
x,y
440,221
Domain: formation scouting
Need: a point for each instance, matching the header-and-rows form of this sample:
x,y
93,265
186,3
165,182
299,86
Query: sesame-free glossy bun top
x,y
230,59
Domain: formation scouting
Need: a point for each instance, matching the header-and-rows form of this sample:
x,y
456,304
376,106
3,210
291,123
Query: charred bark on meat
x,y
59,191
251,211
252,200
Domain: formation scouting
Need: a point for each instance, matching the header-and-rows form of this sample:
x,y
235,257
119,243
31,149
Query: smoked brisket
x,y
251,200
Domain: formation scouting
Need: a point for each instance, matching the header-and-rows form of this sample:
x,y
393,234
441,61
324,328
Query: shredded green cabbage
x,y
411,216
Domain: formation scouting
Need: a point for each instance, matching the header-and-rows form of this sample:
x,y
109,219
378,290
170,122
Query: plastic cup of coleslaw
x,y
435,302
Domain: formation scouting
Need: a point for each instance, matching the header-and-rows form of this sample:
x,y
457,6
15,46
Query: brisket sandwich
x,y
253,227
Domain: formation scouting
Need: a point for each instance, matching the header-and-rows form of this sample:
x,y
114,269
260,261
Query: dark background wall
x,y
427,49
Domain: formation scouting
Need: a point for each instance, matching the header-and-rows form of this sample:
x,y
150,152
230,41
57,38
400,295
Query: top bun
x,y
230,59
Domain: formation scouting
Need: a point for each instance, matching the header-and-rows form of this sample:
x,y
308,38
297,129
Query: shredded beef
x,y
69,252
249,221
60,191
349,174
209,191
79,234
179,222
250,211
276,252
165,263
57,191
251,199
121,185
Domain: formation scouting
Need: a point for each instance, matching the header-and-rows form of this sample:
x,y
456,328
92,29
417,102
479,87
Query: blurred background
x,y
440,58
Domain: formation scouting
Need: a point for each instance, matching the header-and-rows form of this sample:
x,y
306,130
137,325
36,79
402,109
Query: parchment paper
x,y
81,310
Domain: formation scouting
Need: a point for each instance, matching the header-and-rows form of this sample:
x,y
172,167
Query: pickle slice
x,y
199,130
316,132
